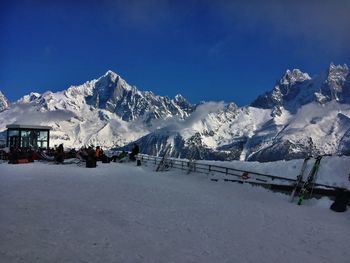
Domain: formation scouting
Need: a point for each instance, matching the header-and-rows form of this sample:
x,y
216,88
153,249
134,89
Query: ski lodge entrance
x,y
28,136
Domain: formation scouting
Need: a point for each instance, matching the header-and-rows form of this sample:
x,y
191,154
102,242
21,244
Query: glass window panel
x,y
13,133
43,136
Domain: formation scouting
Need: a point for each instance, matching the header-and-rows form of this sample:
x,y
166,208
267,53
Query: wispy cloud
x,y
143,15
202,111
323,23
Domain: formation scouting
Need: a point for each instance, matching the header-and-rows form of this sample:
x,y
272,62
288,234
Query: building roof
x,y
24,126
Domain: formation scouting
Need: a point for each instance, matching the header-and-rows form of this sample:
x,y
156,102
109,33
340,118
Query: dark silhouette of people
x,y
21,155
59,155
135,151
91,158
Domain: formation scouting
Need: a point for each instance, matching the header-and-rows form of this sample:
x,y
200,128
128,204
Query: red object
x,y
245,175
22,161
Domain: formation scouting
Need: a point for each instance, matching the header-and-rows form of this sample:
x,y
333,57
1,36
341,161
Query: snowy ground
x,y
124,213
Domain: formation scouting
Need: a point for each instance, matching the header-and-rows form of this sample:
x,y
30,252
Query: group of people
x,y
88,154
21,155
91,155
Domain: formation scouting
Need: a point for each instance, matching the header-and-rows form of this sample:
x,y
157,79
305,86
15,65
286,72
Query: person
x,y
341,201
98,153
118,157
13,155
122,155
59,156
82,154
91,158
135,151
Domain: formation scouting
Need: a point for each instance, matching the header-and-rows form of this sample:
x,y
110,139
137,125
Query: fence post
x,y
209,168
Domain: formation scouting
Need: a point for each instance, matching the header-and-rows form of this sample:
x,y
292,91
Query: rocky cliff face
x,y
296,89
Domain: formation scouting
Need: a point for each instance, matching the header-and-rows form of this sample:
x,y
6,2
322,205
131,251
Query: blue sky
x,y
204,50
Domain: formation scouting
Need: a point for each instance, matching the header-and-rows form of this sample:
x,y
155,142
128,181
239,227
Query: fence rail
x,y
238,175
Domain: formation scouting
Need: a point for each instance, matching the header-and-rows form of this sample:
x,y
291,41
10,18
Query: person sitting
x,y
118,157
82,154
135,151
13,155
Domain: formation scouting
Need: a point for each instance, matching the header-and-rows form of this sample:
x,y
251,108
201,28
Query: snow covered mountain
x,y
4,103
296,89
299,116
106,111
112,93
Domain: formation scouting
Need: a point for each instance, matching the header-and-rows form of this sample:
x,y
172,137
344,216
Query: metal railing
x,y
208,168
233,174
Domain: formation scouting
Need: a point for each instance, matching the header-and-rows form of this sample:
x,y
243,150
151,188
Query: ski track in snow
x,y
124,213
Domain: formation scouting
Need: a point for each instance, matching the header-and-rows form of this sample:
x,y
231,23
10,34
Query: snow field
x,y
124,213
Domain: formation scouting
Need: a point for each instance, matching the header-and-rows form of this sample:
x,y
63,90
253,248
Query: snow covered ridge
x,y
299,116
289,122
296,89
106,111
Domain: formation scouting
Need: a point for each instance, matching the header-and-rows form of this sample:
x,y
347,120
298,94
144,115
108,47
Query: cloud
x,y
202,111
323,23
142,15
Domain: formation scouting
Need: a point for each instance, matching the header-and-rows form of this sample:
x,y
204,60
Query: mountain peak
x,y
337,70
293,76
30,97
333,67
111,73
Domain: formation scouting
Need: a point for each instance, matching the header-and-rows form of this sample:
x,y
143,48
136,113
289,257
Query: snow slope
x,y
124,213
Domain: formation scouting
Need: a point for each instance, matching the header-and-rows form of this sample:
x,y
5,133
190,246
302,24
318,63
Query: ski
x,y
308,185
164,164
299,179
